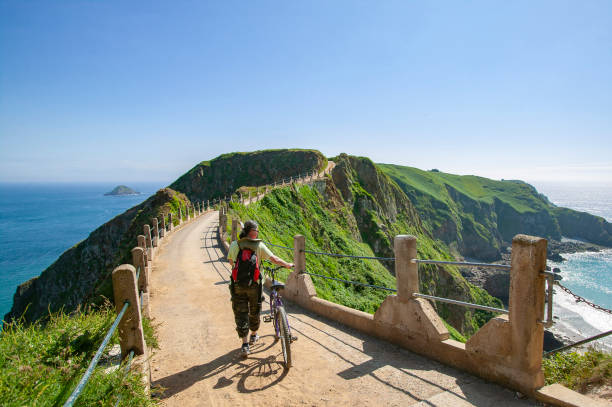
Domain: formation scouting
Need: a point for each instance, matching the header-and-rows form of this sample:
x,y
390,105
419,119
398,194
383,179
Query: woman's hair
x,y
248,226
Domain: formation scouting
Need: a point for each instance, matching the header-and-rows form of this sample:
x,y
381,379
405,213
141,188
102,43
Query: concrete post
x,y
131,335
142,242
526,305
406,272
299,257
208,204
170,221
234,229
147,235
163,227
155,232
138,260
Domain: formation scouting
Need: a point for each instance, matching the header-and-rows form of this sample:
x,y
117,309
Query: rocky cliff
x,y
225,174
477,217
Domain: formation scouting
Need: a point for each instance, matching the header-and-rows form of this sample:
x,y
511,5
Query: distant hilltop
x,y
122,190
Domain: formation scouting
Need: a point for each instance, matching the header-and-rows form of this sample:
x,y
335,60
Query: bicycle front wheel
x,y
285,335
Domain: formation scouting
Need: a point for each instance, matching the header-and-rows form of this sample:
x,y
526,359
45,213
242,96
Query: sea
x,y
38,222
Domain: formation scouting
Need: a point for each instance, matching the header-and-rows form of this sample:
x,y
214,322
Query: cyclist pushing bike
x,y
245,256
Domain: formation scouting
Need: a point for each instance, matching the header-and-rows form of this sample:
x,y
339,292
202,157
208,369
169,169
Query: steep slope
x,y
478,216
225,174
359,211
82,273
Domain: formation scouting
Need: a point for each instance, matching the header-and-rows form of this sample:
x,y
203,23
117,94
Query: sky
x,y
142,91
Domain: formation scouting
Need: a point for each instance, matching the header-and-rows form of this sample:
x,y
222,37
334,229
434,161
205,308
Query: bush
x,y
579,371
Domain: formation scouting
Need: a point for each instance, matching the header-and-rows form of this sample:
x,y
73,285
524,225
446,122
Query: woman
x,y
245,256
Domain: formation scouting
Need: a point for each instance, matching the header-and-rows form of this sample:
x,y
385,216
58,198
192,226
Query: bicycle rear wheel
x,y
285,335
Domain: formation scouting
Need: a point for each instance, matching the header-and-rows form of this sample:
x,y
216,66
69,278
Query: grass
x,y
40,364
579,371
302,210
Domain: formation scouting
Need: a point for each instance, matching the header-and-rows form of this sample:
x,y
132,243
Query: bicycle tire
x,y
285,336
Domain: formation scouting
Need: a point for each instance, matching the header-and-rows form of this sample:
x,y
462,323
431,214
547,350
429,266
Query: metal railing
x,y
463,303
350,282
94,362
462,263
582,342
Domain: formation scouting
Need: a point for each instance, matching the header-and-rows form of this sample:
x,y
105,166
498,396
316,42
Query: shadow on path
x,y
251,375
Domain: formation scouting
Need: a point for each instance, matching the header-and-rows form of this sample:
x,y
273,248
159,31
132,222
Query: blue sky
x,y
142,91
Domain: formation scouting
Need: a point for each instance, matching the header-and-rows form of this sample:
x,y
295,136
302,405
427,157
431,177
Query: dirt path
x,y
199,364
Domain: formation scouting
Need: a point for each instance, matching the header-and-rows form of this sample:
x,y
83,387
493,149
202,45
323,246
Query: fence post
x,y
148,242
170,222
163,227
299,257
234,229
131,335
139,261
155,232
147,235
526,306
406,272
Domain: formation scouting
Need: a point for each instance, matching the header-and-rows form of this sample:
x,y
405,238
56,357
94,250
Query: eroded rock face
x,y
225,174
82,273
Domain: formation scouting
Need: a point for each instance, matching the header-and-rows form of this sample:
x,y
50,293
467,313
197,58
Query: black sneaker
x,y
244,350
253,339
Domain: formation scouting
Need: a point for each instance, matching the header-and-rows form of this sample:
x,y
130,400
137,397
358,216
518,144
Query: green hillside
x,y
478,216
353,221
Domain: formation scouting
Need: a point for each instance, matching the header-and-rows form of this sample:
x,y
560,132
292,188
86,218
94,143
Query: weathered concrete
x,y
559,395
170,221
162,232
155,222
138,260
125,288
147,235
406,271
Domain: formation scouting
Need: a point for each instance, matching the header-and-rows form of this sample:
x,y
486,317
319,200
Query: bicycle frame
x,y
275,301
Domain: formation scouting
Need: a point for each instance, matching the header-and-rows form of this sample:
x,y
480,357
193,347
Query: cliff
x,y
359,210
83,273
477,217
225,174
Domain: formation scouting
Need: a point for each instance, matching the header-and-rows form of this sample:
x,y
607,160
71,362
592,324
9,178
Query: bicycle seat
x,y
277,285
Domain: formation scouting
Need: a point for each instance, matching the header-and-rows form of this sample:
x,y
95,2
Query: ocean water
x,y
38,222
587,274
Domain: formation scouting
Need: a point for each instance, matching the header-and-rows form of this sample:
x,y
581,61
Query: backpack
x,y
246,269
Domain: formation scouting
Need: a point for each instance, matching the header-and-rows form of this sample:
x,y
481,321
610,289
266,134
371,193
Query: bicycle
x,y
278,316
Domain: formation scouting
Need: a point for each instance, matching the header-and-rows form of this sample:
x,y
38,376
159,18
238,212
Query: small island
x,y
122,190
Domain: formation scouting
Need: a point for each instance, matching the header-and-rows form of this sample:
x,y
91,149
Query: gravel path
x,y
198,362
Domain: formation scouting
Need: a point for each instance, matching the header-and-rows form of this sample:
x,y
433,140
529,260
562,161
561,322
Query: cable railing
x,y
94,362
350,282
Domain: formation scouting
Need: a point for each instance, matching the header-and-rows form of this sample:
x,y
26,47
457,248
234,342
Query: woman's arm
x,y
280,262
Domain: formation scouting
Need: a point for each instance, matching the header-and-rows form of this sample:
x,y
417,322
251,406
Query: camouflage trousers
x,y
246,304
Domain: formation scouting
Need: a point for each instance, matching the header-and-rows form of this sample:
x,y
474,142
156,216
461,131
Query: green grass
x,y
521,196
40,364
578,371
289,211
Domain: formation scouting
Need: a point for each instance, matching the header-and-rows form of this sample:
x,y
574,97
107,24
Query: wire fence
x,y
94,362
349,281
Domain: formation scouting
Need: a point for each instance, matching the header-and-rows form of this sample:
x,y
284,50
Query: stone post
x,y
142,242
138,260
526,306
163,227
299,257
208,204
131,335
155,232
234,229
170,221
147,235
406,270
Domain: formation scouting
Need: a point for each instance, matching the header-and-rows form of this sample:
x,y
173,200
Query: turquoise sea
x,y
38,222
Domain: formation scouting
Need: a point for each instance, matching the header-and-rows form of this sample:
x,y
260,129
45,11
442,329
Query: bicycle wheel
x,y
285,336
